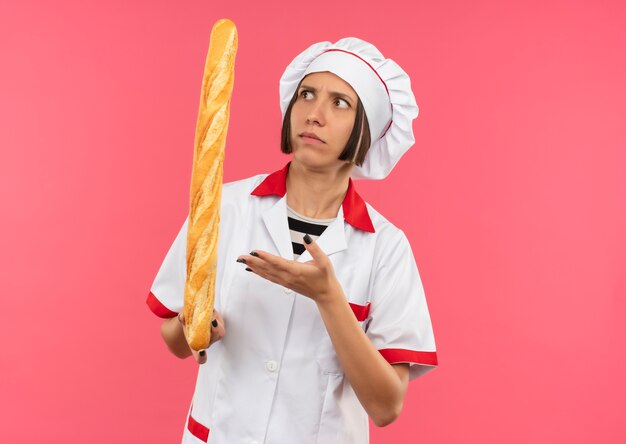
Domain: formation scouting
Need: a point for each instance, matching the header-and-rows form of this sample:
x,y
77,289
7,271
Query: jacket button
x,y
271,366
287,290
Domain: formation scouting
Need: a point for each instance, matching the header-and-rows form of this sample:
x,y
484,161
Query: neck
x,y
317,194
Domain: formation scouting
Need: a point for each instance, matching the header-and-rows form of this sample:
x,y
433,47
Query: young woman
x,y
320,315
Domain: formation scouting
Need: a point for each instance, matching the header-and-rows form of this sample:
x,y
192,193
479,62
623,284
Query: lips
x,y
311,136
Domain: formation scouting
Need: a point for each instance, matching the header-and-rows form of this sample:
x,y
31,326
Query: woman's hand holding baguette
x,y
173,332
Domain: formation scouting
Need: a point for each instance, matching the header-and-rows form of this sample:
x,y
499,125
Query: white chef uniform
x,y
275,376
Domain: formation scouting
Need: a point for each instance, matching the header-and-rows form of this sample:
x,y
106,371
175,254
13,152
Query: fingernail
x,y
214,323
248,269
254,253
307,239
202,353
241,261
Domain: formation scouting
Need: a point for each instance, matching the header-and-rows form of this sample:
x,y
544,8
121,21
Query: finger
x,y
181,318
270,267
262,266
269,258
217,329
316,252
218,316
267,273
259,258
200,356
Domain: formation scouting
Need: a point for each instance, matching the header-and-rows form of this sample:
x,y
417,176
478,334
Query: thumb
x,y
316,252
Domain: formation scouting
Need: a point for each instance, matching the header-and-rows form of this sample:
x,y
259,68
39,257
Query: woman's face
x,y
322,118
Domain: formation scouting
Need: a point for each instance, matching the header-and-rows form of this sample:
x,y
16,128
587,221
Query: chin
x,y
315,161
310,156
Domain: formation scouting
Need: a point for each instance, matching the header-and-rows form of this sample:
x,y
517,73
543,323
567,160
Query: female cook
x,y
323,305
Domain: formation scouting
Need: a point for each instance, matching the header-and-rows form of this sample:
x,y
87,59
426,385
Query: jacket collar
x,y
353,206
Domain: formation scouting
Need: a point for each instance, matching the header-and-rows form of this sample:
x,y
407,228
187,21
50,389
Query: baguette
x,y
206,183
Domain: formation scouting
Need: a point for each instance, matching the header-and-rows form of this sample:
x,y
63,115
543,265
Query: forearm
x,y
375,382
174,337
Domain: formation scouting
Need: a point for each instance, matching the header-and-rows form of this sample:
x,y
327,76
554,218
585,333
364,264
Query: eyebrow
x,y
332,93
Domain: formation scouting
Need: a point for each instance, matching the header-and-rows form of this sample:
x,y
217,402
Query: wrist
x,y
331,297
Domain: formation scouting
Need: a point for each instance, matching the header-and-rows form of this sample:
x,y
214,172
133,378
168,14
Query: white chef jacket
x,y
275,376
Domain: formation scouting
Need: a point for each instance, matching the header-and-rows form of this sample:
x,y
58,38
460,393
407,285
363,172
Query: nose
x,y
315,115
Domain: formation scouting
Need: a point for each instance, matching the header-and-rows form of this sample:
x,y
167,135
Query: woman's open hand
x,y
218,330
315,279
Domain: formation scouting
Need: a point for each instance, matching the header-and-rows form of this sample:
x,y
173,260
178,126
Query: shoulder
x,y
385,230
237,195
240,191
243,186
390,243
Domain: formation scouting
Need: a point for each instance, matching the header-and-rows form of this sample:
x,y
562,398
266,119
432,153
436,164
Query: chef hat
x,y
383,88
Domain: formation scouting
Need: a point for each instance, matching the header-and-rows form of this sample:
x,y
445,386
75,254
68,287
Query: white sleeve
x,y
399,324
167,294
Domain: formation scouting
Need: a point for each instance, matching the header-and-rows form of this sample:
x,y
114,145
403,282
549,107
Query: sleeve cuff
x,y
397,355
158,308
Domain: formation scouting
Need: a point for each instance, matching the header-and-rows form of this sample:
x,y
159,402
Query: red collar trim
x,y
354,209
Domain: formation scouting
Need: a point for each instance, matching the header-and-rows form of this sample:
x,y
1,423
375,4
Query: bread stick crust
x,y
206,183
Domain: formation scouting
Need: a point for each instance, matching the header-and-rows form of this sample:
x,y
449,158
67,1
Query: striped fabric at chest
x,y
300,225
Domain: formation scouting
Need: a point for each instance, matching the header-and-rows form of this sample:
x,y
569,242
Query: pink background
x,y
514,200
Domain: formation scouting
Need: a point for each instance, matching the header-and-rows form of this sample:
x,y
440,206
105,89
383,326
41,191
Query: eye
x,y
306,94
341,103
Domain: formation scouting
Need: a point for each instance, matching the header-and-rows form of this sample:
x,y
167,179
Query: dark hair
x,y
358,143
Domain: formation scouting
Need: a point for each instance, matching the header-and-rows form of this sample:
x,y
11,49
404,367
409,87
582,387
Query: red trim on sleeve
x,y
159,309
396,355
198,430
360,311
